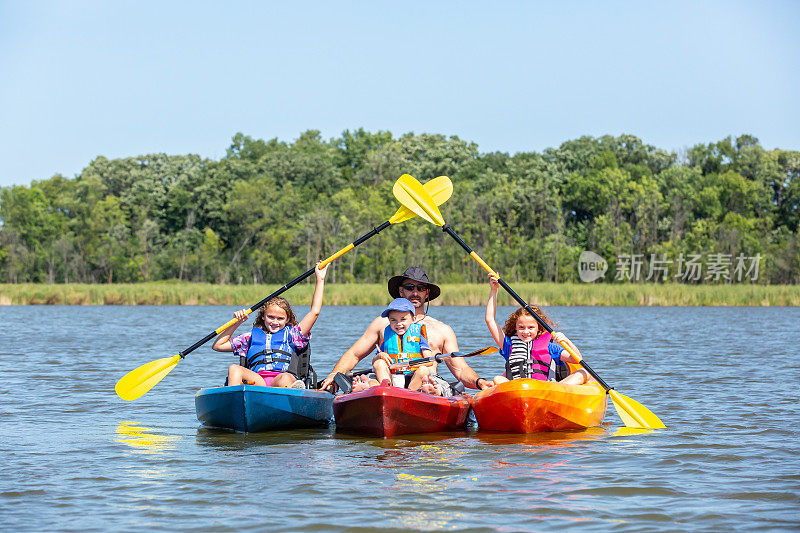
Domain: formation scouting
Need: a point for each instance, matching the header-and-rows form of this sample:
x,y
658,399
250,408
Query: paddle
x,y
411,194
440,357
140,380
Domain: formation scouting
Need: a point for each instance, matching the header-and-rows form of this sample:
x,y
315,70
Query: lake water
x,y
76,457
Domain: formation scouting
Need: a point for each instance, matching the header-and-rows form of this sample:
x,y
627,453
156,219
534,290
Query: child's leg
x,y
381,370
284,379
416,380
237,374
579,377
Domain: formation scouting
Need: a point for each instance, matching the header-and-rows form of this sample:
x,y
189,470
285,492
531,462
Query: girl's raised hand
x,y
223,341
562,339
493,283
320,273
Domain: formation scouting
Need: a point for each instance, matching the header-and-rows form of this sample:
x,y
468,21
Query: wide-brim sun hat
x,y
417,274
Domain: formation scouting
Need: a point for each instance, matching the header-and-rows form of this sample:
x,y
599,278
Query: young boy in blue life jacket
x,y
272,348
529,351
402,341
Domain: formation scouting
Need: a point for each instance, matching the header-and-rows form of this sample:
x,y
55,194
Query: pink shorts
x,y
268,376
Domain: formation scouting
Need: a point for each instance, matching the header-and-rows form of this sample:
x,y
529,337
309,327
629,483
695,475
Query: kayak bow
x,y
528,405
251,408
387,411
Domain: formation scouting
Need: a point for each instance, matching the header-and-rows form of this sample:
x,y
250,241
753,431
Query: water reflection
x,y
428,519
228,440
144,440
403,440
534,468
424,468
534,441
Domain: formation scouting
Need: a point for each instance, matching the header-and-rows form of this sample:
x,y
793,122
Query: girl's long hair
x,y
283,303
511,323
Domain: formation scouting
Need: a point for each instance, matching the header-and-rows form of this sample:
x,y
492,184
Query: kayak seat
x,y
562,371
302,368
311,378
344,382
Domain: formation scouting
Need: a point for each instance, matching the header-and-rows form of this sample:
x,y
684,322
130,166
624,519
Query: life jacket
x,y
531,359
403,349
275,352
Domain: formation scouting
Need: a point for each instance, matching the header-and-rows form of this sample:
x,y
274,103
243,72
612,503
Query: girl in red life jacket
x,y
529,351
271,348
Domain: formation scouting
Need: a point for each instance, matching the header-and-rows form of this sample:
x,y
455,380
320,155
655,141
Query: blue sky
x,y
80,79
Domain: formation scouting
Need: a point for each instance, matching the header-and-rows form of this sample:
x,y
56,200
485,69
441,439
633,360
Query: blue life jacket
x,y
270,352
403,349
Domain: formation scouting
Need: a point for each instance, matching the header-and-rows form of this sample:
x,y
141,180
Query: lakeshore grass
x,y
182,293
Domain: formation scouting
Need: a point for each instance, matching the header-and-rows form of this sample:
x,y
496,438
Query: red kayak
x,y
386,411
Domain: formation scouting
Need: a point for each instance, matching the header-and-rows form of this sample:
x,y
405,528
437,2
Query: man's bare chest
x,y
435,337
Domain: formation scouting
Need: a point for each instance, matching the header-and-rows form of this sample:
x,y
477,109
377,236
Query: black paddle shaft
x,y
295,281
447,229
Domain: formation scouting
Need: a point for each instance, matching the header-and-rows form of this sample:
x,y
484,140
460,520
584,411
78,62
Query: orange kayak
x,y
528,405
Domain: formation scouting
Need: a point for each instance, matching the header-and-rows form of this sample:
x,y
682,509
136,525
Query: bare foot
x,y
360,383
429,387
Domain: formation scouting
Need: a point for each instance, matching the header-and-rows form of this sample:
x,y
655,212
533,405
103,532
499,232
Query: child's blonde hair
x,y
511,323
283,303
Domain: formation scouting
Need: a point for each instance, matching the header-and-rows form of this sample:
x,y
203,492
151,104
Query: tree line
x,y
269,209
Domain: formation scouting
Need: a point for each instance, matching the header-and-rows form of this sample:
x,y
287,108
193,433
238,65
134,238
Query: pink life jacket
x,y
531,359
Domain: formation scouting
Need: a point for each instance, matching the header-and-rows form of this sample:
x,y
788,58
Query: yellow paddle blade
x,y
440,189
140,380
410,193
644,413
633,414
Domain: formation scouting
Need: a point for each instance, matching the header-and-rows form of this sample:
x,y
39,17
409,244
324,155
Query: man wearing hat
x,y
414,285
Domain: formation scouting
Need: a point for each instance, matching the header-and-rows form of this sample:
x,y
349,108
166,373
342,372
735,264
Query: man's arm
x,y
358,351
459,368
465,374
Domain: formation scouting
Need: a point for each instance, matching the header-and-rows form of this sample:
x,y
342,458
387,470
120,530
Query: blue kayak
x,y
251,408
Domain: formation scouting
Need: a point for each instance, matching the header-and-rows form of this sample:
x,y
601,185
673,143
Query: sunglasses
x,y
411,287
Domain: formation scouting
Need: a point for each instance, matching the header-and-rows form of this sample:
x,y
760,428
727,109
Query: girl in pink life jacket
x,y
530,351
272,346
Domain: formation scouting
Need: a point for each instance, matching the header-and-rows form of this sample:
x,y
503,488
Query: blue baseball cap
x,y
399,304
